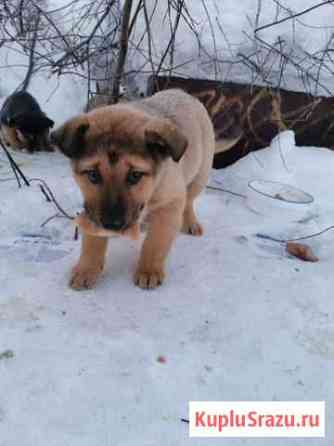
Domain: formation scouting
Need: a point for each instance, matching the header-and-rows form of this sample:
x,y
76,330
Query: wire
x,y
298,239
53,217
269,237
16,169
51,197
227,191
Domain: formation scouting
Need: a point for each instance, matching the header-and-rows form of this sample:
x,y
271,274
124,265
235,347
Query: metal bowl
x,y
276,199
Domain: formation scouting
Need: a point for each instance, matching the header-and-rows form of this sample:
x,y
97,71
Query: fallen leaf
x,y
303,252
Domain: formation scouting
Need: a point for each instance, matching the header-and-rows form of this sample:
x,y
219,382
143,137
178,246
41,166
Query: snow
x,y
225,30
60,98
237,319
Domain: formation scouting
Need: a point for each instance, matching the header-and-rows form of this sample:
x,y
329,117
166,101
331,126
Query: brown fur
x,y
10,138
169,138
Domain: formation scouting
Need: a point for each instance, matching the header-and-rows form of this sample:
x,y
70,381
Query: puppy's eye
x,y
94,176
134,177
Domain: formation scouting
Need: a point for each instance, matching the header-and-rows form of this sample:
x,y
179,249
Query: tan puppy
x,y
147,159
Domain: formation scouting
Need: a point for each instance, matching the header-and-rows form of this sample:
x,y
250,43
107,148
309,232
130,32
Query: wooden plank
x,y
257,114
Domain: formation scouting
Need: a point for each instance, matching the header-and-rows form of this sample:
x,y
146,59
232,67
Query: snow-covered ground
x,y
238,319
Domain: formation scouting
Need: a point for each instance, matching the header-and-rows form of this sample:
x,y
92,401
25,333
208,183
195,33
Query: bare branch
x,y
124,40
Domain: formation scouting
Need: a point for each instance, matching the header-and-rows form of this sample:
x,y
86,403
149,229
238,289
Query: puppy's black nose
x,y
114,216
113,224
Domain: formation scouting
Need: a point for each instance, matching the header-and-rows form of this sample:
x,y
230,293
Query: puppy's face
x,y
117,163
116,187
34,141
32,130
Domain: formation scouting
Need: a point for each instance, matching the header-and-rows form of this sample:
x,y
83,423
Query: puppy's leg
x,y
190,223
88,269
164,225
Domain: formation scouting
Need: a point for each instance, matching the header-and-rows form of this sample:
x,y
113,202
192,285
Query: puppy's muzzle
x,y
114,218
113,224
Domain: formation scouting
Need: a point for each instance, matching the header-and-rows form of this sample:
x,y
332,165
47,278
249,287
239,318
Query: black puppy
x,y
23,124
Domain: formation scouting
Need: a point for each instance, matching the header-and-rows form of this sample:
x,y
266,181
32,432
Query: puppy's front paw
x,y
193,228
83,277
149,279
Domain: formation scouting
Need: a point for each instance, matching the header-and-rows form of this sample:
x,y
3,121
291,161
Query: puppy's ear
x,y
47,122
33,121
70,138
19,119
164,139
